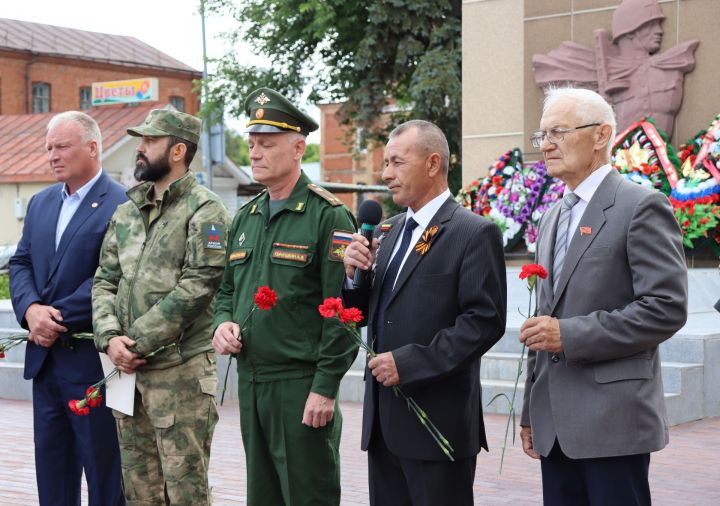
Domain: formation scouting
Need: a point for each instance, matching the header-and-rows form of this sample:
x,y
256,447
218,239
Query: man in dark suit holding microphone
x,y
435,302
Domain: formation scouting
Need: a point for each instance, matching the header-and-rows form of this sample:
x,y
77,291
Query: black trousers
x,y
396,481
608,481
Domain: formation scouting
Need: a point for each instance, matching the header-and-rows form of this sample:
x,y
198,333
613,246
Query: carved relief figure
x,y
627,70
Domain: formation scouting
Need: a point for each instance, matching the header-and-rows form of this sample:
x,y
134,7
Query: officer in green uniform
x,y
292,238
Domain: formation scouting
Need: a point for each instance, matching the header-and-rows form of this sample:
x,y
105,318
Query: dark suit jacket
x,y
622,291
63,279
447,309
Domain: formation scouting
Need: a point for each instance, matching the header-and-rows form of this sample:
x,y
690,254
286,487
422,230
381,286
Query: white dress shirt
x,y
585,191
423,218
70,204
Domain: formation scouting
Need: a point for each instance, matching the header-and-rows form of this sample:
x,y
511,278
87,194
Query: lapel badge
x,y
241,239
94,205
426,239
585,230
385,228
262,99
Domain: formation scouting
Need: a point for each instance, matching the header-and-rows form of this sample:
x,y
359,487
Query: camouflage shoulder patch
x,y
339,241
214,236
322,192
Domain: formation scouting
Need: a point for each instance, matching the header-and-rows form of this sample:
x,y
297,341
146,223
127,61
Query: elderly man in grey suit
x,y
594,407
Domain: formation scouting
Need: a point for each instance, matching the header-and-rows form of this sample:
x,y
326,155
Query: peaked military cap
x,y
270,112
164,122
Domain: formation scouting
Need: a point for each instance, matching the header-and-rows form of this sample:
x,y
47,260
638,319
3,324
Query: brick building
x,y
46,68
346,157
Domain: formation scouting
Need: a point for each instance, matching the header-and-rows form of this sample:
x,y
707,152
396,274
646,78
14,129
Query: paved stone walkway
x,y
686,473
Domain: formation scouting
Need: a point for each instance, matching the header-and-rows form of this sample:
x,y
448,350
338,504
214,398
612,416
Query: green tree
x,y
362,53
4,286
312,153
236,148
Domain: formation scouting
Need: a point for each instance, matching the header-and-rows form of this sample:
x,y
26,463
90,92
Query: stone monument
x,y
627,69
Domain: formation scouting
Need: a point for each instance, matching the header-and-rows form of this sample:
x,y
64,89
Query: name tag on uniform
x,y
294,256
238,255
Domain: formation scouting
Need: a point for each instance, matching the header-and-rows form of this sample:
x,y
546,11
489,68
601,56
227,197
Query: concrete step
x,y
12,384
504,366
7,316
681,407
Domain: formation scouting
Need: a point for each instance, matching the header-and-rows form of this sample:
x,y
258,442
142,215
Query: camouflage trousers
x,y
165,445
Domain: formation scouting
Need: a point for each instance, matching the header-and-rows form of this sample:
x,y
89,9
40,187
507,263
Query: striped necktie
x,y
569,200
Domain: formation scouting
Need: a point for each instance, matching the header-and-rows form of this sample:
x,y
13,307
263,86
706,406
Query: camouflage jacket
x,y
159,271
298,252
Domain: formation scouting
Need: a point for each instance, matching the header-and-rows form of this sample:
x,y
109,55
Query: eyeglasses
x,y
555,135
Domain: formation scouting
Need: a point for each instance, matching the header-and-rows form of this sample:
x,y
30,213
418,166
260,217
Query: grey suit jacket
x,y
622,292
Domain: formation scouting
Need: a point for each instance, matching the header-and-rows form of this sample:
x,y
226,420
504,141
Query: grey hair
x,y
430,139
89,127
590,107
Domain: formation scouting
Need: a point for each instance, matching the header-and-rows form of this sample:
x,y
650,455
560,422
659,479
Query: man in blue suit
x,y
51,278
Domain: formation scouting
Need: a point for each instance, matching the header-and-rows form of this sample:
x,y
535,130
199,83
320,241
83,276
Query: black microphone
x,y
369,215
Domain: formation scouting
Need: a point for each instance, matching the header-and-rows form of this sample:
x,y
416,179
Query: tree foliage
x,y
236,148
365,54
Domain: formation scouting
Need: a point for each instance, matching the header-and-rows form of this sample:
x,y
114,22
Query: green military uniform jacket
x,y
298,253
159,271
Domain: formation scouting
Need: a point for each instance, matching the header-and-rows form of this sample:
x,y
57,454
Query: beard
x,y
147,171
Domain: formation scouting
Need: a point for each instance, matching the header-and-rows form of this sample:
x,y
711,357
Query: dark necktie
x,y
391,274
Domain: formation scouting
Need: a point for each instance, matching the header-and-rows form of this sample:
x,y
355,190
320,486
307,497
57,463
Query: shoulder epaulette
x,y
253,199
322,192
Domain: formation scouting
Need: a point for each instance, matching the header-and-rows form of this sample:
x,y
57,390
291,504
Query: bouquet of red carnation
x,y
332,307
265,298
531,272
93,396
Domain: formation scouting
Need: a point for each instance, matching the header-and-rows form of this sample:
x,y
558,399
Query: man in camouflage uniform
x,y
161,262
290,360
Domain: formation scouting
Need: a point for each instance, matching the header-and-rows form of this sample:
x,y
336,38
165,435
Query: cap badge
x,y
259,113
262,99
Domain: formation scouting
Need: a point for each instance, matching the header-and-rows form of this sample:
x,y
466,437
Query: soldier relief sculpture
x,y
627,69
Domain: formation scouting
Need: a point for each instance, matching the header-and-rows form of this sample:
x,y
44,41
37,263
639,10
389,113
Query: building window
x,y
178,103
85,98
41,97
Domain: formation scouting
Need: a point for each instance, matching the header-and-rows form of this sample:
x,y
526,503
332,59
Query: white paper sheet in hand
x,y
120,390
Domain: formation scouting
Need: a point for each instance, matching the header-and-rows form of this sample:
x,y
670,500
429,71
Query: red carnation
x,y
330,307
2,354
265,297
533,270
93,397
351,314
79,407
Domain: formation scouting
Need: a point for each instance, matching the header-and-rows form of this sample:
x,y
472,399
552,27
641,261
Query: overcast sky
x,y
172,26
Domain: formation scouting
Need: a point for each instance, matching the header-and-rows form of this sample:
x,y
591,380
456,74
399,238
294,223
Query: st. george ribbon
x,y
369,215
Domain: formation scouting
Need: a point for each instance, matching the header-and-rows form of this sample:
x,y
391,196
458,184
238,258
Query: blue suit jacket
x,y
63,279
